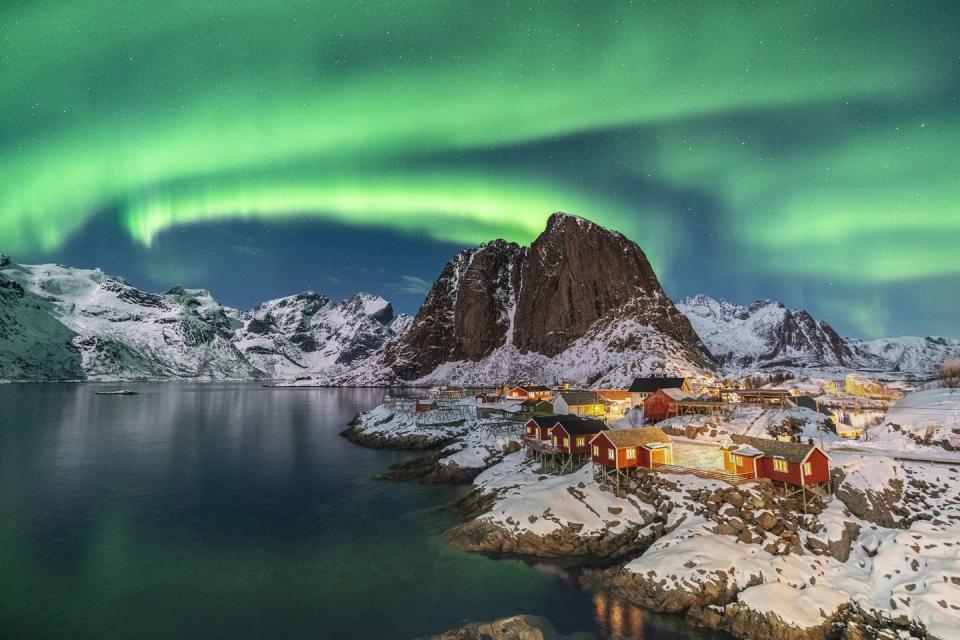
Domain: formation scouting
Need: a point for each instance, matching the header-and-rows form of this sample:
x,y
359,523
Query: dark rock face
x,y
466,313
575,274
539,299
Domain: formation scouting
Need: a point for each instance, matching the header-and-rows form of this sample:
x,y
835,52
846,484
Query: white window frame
x,y
611,454
596,451
807,469
632,453
780,462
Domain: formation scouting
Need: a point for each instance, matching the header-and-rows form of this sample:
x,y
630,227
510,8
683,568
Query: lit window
x,y
596,450
610,454
780,465
556,441
631,454
807,469
581,442
737,460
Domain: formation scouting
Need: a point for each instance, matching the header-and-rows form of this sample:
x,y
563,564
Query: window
x,y
581,442
556,441
596,451
631,454
807,469
780,465
610,454
566,442
737,460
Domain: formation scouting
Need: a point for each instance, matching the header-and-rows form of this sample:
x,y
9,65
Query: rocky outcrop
x,y
576,273
521,627
567,543
574,278
466,314
874,504
401,442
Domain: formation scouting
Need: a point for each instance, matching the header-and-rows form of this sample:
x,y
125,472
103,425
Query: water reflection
x,y
615,617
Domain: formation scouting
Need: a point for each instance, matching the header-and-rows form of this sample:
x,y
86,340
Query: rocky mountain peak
x,y
539,299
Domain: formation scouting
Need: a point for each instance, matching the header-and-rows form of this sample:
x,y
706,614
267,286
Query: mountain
x,y
62,323
581,302
909,353
308,333
768,334
116,331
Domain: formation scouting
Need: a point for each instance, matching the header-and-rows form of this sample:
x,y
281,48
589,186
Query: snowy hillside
x,y
767,334
62,323
309,334
123,333
611,355
910,353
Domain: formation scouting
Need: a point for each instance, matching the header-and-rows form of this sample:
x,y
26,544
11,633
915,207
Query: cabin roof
x,y
580,397
649,385
545,422
533,402
613,394
581,426
636,437
791,451
676,395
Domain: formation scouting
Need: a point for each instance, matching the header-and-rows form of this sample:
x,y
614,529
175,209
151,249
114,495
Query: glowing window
x,y
807,469
631,454
596,450
581,442
566,442
610,454
737,460
780,465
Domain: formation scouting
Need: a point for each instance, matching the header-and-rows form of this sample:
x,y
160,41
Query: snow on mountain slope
x,y
767,333
910,353
33,344
124,333
610,355
308,333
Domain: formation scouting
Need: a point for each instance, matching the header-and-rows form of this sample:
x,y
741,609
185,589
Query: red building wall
x,y
819,470
656,406
559,433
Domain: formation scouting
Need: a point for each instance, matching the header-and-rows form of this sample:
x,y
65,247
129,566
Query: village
x,y
653,425
764,507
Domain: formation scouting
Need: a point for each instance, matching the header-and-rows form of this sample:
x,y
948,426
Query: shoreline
x,y
618,546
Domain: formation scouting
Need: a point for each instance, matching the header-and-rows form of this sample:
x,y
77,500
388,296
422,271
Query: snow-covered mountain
x,y
768,334
310,334
62,323
580,303
910,353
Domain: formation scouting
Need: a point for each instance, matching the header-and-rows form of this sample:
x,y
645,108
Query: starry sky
x,y
802,151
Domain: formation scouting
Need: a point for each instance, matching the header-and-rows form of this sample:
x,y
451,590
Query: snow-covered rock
x,y
122,333
768,334
308,334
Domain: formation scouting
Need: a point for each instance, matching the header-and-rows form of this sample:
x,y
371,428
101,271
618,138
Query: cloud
x,y
412,285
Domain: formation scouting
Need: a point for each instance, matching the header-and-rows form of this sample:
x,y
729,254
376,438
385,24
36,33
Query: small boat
x,y
120,392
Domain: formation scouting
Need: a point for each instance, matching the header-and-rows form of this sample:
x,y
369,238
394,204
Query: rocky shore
x,y
880,558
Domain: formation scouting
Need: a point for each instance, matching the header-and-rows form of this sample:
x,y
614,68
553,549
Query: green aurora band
x,y
177,113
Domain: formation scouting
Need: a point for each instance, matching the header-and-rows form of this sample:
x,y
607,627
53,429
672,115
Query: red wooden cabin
x,y
629,448
538,427
484,398
536,392
573,435
660,404
793,463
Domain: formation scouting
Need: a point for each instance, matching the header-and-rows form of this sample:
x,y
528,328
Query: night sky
x,y
802,151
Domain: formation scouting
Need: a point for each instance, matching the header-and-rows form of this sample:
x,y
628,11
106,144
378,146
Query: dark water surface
x,y
235,511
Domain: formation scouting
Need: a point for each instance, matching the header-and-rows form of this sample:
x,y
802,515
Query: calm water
x,y
233,511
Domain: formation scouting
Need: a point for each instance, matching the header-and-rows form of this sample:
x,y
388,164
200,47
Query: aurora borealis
x,y
802,151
